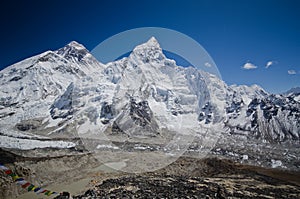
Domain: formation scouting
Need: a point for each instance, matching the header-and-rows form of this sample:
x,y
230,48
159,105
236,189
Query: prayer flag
x,y
25,185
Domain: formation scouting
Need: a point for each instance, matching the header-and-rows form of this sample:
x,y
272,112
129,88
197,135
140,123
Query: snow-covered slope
x,y
30,88
64,92
292,91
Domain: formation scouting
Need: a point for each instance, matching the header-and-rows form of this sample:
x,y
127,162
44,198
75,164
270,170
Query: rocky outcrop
x,y
191,178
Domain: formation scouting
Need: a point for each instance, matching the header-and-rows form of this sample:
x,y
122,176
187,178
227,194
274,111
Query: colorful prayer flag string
x,y
24,184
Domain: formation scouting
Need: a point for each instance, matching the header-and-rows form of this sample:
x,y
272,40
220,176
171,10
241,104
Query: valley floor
x,y
85,177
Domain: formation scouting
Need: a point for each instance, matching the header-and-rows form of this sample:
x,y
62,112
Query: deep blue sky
x,y
232,32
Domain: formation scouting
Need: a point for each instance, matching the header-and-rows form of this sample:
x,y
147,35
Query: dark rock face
x,y
25,127
16,78
274,118
206,114
135,119
7,102
116,128
106,113
271,106
234,107
62,107
73,50
236,104
18,74
140,112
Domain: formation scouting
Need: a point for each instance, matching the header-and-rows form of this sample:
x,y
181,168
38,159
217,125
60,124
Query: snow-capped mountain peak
x,y
151,43
149,51
293,91
76,45
248,93
73,45
145,87
73,50
38,80
78,55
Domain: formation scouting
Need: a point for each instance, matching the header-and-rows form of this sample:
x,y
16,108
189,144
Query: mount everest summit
x,y
65,93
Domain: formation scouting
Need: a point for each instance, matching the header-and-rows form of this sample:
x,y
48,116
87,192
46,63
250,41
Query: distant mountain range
x,y
57,94
293,91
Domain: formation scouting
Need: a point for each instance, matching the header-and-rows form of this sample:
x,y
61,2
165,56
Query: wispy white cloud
x,y
270,63
292,72
207,64
249,66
